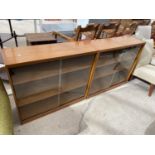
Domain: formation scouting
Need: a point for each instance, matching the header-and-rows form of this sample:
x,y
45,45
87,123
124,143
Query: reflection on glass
x,y
74,78
45,86
36,87
113,68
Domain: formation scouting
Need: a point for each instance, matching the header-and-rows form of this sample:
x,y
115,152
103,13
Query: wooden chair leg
x,y
131,78
152,87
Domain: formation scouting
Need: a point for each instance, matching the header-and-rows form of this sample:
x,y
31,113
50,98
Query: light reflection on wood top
x,y
30,54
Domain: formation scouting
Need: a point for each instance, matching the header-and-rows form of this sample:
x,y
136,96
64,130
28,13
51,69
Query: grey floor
x,y
126,110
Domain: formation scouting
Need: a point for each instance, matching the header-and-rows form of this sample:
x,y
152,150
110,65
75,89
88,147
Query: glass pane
x,y
74,77
125,61
113,68
38,107
100,83
36,86
68,96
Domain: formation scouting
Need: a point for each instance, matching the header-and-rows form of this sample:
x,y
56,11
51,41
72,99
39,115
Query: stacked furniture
x,y
6,123
129,26
126,22
107,30
100,31
47,78
88,32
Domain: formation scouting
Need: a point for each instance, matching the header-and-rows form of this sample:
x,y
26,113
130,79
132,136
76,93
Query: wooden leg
x,y
151,89
131,78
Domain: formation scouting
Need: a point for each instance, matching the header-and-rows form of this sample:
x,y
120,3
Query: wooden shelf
x,y
79,82
110,62
40,92
68,87
49,93
39,107
37,74
14,57
26,77
105,81
49,103
102,75
37,97
29,113
28,89
68,96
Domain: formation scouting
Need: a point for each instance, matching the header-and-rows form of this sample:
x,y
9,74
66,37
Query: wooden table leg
x,y
151,89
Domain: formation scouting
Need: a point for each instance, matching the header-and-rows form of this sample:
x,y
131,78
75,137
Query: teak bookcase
x,y
49,77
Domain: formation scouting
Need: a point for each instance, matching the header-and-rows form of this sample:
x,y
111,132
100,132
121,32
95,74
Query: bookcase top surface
x,y
32,54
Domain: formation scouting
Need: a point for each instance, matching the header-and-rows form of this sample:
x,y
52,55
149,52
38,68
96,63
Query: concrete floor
x,y
126,110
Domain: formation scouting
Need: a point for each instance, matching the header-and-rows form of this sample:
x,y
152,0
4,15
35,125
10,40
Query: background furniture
x,y
126,29
100,31
107,30
63,26
6,122
144,69
51,79
126,22
129,26
39,38
142,21
143,32
88,32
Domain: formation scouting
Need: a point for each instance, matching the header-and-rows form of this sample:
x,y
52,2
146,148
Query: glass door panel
x,y
36,87
74,77
125,59
113,68
39,107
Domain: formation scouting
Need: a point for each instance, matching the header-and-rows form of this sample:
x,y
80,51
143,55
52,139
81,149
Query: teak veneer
x,y
41,53
46,78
